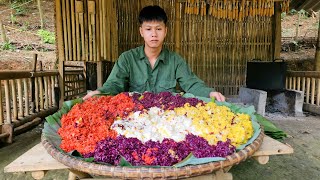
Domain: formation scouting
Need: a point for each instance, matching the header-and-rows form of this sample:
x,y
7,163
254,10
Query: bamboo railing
x,y
25,96
74,81
308,82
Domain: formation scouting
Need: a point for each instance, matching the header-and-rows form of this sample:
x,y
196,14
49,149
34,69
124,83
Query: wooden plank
x,y
41,90
6,75
272,147
35,159
311,74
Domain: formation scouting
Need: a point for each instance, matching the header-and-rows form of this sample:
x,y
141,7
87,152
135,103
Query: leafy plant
x,y
8,46
19,10
46,36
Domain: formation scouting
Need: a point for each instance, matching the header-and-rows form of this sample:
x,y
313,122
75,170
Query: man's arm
x,y
189,82
117,81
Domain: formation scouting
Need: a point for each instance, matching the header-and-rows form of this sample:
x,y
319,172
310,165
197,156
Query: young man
x,y
151,67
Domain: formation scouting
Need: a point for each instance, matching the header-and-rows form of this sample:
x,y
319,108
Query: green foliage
x,y
283,15
46,36
19,10
8,46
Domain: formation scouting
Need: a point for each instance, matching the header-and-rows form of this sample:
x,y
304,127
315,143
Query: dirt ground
x,y
304,163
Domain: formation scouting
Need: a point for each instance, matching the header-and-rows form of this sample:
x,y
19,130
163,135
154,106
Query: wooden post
x,y
3,33
99,74
1,105
177,27
277,30
41,14
317,58
34,69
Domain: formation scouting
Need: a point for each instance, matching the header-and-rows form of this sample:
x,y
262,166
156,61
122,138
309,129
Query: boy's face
x,y
153,33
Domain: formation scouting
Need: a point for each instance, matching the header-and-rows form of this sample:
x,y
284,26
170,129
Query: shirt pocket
x,y
137,86
168,85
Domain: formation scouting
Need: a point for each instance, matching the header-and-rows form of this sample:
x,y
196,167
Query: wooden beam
x,y
277,30
177,27
317,58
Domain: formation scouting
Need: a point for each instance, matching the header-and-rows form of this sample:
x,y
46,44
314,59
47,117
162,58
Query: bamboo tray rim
x,y
151,172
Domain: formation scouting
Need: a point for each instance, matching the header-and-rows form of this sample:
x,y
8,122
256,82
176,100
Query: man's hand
x,y
90,94
218,96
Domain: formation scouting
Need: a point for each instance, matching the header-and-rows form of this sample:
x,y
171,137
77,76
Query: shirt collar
x,y
162,57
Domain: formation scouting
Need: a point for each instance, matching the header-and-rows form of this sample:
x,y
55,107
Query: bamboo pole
x,y
73,30
78,7
26,96
21,110
8,100
3,33
40,13
313,88
46,96
298,83
308,91
1,105
304,87
177,27
277,30
318,92
50,90
14,99
54,103
36,87
59,31
69,32
317,56
65,31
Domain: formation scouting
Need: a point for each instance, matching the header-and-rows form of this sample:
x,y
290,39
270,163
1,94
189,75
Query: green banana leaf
x,y
53,123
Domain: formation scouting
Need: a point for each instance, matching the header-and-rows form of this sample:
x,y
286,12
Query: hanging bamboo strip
x,y
78,9
69,36
65,32
26,85
73,30
86,30
50,90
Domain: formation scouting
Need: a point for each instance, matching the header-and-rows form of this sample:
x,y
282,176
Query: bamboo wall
x,y
216,38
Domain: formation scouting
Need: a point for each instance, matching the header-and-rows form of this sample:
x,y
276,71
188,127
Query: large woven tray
x,y
153,173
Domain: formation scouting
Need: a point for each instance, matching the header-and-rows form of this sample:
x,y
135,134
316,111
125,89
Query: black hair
x,y
152,13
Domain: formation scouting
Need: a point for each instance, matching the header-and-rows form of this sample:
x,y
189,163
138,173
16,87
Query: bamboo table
x,y
38,161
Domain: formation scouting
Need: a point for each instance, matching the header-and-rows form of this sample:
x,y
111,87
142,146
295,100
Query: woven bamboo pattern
x,y
153,173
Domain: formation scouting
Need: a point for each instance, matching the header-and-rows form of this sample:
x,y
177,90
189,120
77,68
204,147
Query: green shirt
x,y
133,72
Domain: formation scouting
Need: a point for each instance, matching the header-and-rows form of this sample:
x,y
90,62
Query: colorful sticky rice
x,y
152,129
